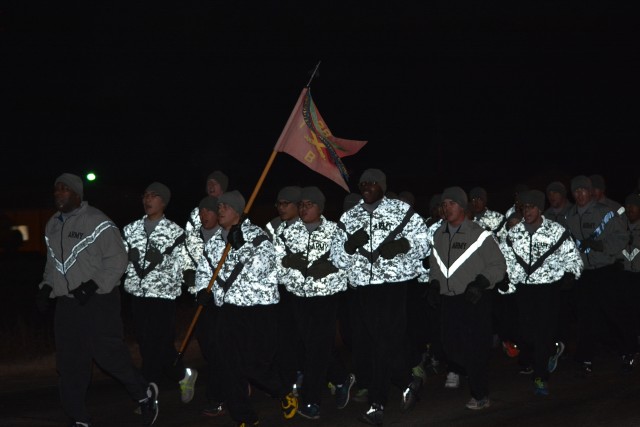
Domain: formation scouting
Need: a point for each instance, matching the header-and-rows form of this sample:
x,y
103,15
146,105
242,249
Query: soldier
x,y
465,262
382,249
154,278
540,254
246,293
83,271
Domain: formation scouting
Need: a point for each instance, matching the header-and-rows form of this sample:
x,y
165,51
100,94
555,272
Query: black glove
x,y
189,278
357,239
426,263
134,255
433,294
153,256
297,261
234,237
321,268
83,292
42,298
473,293
390,249
595,245
503,285
566,282
203,297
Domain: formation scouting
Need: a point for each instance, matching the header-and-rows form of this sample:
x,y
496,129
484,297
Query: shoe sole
x,y
309,417
214,414
477,408
190,398
352,381
157,393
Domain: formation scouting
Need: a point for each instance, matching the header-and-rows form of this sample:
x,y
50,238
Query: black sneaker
x,y
79,424
627,362
373,416
343,392
410,394
214,410
311,411
149,406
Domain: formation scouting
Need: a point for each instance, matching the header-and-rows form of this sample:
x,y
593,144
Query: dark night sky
x,y
446,93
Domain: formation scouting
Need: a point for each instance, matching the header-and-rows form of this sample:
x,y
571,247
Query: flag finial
x,y
313,74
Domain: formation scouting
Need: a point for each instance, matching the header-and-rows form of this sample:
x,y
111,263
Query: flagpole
x,y
315,70
247,207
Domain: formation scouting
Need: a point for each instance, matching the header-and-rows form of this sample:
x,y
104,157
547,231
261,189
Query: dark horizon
x,y
494,95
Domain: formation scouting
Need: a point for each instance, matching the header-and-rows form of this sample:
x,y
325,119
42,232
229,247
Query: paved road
x,y
608,398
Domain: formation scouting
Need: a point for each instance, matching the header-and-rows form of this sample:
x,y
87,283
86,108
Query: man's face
x,y
213,188
227,216
453,212
477,205
153,204
582,196
287,210
555,199
532,214
208,218
597,193
309,211
371,191
633,212
64,198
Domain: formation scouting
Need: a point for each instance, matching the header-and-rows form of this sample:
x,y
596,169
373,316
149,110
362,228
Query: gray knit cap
x,y
220,178
290,194
209,202
161,190
456,194
597,181
532,197
234,200
580,181
558,187
74,182
314,195
375,175
478,193
632,199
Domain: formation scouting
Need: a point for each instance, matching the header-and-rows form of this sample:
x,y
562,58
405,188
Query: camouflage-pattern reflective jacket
x,y
393,218
316,247
194,242
247,276
542,257
423,276
156,262
492,221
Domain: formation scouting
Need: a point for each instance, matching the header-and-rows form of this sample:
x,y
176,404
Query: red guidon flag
x,y
307,138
